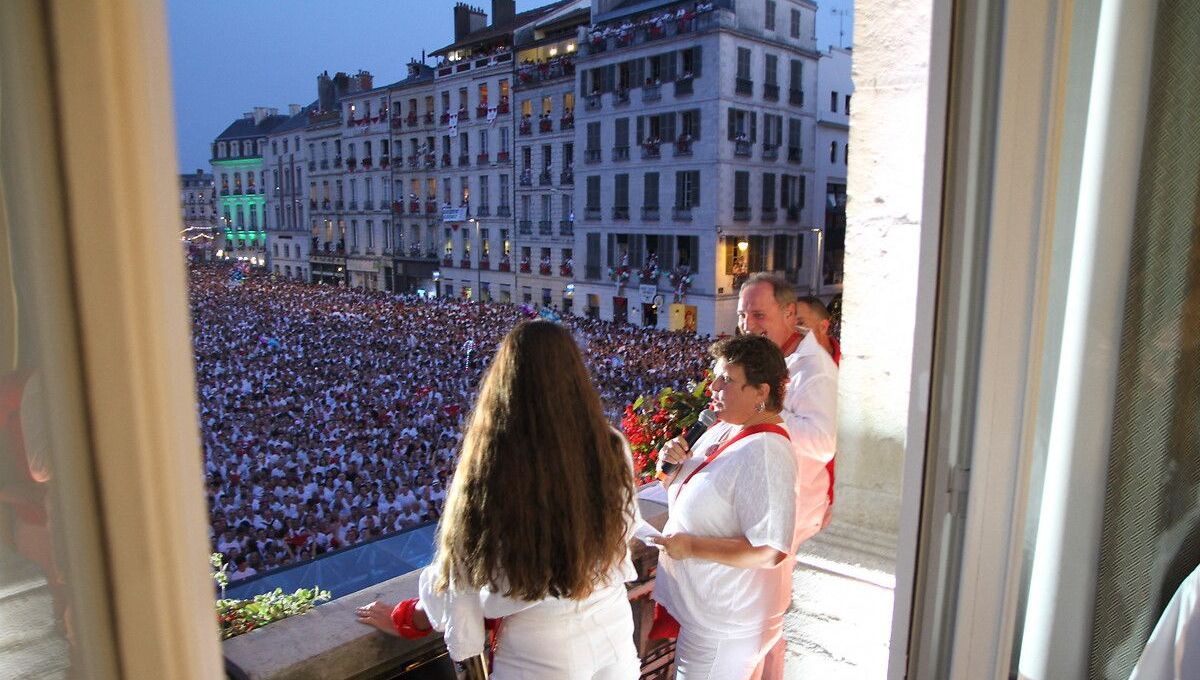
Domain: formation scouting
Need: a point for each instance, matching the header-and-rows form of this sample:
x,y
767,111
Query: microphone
x,y
706,420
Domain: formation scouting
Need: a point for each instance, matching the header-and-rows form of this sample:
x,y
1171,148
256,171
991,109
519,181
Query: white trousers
x,y
596,644
700,657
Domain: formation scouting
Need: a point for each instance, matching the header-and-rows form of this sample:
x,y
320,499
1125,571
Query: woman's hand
x,y
379,615
677,546
674,453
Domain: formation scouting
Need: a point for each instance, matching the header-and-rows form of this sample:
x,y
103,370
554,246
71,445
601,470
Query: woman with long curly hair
x,y
536,524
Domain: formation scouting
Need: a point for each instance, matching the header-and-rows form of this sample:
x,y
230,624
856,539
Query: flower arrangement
x,y
242,616
619,274
681,281
650,422
649,273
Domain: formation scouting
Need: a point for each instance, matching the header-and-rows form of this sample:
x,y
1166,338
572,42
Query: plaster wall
x,y
890,74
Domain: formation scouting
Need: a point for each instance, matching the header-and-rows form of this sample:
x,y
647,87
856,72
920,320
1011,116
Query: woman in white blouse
x,y
536,525
726,571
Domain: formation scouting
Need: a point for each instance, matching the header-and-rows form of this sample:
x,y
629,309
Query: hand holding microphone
x,y
679,449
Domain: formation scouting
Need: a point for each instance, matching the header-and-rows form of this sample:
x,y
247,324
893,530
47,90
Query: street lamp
x,y
437,286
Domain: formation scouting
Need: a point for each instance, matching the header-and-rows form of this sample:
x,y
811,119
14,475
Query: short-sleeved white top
x,y
748,491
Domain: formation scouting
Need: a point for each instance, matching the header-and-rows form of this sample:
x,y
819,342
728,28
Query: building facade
x,y
237,168
326,202
834,92
544,117
416,216
196,207
697,156
284,164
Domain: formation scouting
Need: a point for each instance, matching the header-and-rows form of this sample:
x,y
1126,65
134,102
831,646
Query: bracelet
x,y
402,619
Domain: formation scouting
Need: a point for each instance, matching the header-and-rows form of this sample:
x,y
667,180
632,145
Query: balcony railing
x,y
431,207
483,159
792,214
502,156
525,127
447,161
324,163
545,125
592,103
770,92
741,148
351,162
743,86
337,162
428,118
483,211
367,162
592,272
504,211
414,160
683,146
414,207
652,92
525,227
464,160
353,205
567,122
621,97
481,110
526,178
339,204
650,213
591,155
411,120
684,86
590,213
794,154
768,214
502,107
796,97
566,177
620,153
681,213
610,37
741,212
544,178
312,166
620,212
770,152
368,204
545,228
566,228
651,151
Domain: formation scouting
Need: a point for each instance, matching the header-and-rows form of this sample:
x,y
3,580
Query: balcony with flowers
x,y
658,24
544,266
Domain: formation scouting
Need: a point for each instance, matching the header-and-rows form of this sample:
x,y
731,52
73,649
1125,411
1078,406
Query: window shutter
x,y
753,126
696,123
668,127
732,129
640,136
610,78
696,61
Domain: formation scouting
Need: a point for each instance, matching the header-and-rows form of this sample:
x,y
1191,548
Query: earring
x,y
758,408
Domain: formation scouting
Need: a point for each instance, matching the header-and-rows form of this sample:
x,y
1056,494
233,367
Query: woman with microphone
x,y
536,525
725,574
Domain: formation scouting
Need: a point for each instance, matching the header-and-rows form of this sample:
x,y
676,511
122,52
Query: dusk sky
x,y
228,56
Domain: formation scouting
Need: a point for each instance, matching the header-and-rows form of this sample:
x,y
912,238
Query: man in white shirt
x,y
767,306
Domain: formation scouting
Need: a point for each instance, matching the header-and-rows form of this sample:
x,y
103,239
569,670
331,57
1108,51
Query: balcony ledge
x,y
327,642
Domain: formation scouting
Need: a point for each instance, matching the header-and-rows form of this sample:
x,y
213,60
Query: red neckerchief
x,y
746,432
791,343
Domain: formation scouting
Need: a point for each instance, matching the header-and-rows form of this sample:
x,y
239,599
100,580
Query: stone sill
x,y
327,643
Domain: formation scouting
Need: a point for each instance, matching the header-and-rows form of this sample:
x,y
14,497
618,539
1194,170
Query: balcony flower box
x,y
447,262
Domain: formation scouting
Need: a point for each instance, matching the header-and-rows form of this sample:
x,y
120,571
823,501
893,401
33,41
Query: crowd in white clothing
x,y
332,417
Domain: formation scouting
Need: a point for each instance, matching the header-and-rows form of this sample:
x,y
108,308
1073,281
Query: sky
x,y
228,56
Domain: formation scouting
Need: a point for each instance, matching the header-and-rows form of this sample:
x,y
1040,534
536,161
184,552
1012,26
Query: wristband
x,y
402,619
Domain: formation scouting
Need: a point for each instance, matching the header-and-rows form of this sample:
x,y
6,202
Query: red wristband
x,y
402,619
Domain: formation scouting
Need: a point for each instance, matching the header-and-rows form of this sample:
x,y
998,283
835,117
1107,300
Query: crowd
x,y
332,416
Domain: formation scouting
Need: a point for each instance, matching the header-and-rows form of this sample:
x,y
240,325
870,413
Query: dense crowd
x,y
333,416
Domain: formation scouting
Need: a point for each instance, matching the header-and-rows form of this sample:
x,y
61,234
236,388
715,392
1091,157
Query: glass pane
x,y
53,605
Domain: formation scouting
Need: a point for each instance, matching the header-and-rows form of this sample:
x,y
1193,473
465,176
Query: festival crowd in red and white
x,y
332,417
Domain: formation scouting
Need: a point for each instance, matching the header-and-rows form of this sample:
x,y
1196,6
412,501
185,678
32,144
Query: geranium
x,y
650,422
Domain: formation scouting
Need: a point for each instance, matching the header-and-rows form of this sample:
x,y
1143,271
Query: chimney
x,y
260,112
325,97
467,20
293,109
341,87
363,80
504,12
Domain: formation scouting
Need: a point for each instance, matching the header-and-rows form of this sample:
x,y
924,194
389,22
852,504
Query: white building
x,y
698,155
196,203
365,192
473,85
834,90
416,215
545,99
284,162
326,190
237,168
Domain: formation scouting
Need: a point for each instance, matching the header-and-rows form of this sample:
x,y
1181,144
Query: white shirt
x,y
748,491
1173,650
810,411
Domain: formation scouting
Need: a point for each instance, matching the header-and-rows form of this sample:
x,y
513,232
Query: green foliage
x,y
242,616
